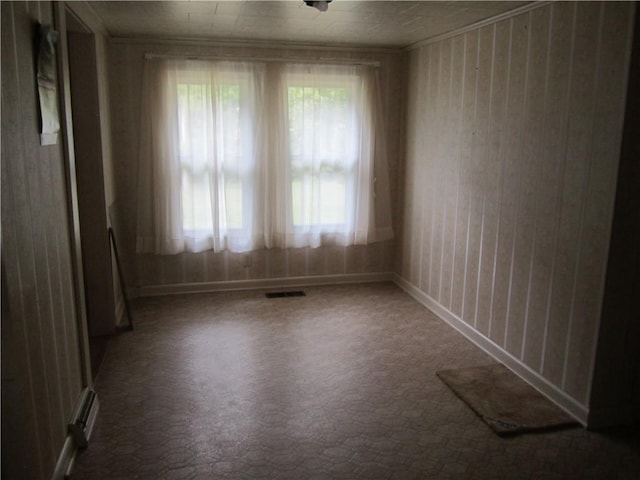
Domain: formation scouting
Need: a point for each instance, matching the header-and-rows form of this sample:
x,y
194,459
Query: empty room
x,y
320,239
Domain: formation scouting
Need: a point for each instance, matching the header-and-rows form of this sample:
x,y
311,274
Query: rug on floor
x,y
504,401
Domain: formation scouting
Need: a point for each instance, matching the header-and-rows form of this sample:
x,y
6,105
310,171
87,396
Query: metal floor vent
x,y
292,293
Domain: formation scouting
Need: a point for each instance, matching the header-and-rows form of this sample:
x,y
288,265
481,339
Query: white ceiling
x,y
394,23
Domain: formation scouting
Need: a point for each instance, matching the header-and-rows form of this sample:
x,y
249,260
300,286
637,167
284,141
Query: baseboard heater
x,y
79,432
84,419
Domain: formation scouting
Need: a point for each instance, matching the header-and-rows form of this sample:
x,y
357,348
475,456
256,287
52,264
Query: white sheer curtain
x,y
243,155
199,181
328,159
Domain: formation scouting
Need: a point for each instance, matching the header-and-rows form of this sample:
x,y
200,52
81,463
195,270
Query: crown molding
x,y
482,23
261,44
85,14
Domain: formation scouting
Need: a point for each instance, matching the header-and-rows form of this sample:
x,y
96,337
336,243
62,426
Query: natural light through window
x,y
323,131
246,155
196,139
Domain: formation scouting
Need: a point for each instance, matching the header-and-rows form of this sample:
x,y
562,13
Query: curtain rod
x,y
342,61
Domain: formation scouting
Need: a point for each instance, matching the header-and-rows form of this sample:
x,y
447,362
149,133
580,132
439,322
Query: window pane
x,y
323,133
233,201
193,102
196,206
211,149
297,202
228,122
230,153
333,195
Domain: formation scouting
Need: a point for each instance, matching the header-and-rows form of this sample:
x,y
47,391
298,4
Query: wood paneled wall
x,y
125,70
41,376
615,395
513,142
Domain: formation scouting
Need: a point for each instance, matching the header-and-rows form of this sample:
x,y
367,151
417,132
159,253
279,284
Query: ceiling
x,y
359,23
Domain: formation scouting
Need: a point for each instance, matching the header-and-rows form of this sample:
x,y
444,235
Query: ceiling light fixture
x,y
322,5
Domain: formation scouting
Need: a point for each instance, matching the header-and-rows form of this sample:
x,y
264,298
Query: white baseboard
x,y
65,460
259,284
576,409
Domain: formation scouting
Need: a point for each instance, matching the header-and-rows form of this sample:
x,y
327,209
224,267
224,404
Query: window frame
x,y
245,176
349,81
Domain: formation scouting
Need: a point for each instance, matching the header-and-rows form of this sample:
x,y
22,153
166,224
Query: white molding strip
x,y
288,59
66,460
564,401
482,23
86,15
259,284
260,44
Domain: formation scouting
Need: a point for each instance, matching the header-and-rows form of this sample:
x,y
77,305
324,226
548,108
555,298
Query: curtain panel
x,y
241,156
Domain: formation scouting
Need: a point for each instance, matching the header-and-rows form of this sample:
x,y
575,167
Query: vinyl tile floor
x,y
339,384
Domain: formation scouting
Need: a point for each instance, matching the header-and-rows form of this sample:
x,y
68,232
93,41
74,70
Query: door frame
x,y
61,9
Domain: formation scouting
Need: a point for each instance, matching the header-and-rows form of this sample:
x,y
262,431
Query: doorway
x,y
90,182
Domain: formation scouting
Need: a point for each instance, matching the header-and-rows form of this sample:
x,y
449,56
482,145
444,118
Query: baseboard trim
x,y
65,460
259,284
579,411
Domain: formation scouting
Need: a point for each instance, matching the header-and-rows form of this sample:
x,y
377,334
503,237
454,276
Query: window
x,y
214,123
323,131
245,155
